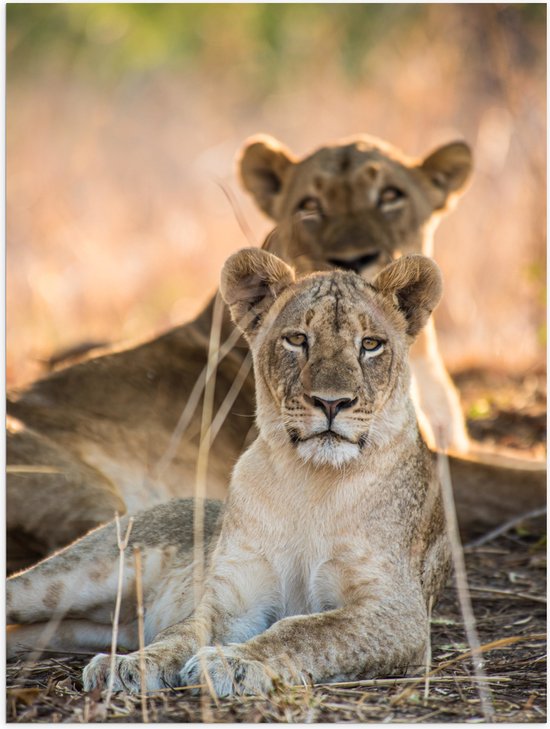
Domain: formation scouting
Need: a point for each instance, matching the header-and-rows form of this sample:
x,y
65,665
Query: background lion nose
x,y
330,407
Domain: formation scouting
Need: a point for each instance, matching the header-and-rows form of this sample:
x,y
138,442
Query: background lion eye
x,y
390,195
371,345
297,340
310,205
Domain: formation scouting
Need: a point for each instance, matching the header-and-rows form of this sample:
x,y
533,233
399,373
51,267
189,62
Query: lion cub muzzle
x,y
328,430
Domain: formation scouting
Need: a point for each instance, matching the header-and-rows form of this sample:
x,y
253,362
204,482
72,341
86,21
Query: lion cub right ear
x,y
263,165
415,285
251,280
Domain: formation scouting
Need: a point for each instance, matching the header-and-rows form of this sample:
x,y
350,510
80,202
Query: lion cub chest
x,y
313,558
310,542
309,580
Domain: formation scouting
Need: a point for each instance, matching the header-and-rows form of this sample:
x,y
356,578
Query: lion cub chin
x,y
328,449
332,540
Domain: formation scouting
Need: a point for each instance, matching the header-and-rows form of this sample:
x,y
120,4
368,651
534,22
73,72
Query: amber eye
x,y
371,346
390,195
296,340
310,205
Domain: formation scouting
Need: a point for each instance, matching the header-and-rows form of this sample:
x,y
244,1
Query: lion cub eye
x,y
311,205
390,198
371,347
296,340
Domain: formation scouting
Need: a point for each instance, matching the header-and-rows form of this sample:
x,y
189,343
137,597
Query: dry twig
x,y
17,468
462,585
428,649
202,468
238,213
192,404
122,544
503,528
141,633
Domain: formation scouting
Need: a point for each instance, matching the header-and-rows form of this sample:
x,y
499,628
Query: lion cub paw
x,y
127,674
228,670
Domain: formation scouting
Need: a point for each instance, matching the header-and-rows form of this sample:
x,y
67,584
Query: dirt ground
x,y
505,410
507,580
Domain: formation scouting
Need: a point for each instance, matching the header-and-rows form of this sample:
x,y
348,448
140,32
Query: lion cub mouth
x,y
327,448
327,435
296,438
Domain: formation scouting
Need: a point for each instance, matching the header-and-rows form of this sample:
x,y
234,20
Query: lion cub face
x,y
330,350
355,204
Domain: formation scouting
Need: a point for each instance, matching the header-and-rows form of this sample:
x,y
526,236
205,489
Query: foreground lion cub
x,y
333,539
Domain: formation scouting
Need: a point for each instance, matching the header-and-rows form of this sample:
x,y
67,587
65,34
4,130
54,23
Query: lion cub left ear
x,y
415,285
251,280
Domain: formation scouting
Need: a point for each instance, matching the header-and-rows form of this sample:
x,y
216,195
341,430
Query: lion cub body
x,y
332,540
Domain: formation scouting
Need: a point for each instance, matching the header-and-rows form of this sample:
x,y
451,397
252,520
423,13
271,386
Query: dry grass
x,y
512,634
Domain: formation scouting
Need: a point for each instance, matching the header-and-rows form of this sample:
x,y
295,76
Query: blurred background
x,y
122,120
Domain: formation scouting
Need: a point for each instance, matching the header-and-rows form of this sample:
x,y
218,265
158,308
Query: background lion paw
x,y
127,674
229,671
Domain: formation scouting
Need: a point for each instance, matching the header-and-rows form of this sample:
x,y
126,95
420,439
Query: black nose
x,y
331,408
356,264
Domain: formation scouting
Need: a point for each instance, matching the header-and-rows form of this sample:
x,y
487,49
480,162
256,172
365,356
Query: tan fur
x,y
108,422
332,541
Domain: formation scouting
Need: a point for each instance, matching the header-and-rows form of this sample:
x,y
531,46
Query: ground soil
x,y
505,410
507,584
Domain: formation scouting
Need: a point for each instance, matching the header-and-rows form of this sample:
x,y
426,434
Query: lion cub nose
x,y
331,408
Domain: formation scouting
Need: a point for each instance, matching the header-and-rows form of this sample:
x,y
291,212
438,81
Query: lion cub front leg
x,y
370,637
238,602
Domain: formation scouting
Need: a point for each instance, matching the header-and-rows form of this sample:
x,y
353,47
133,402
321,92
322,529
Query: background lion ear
x,y
448,168
250,282
415,285
263,164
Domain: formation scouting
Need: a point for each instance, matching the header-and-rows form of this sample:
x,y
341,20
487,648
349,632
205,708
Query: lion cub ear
x,y
448,169
415,285
250,282
263,165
